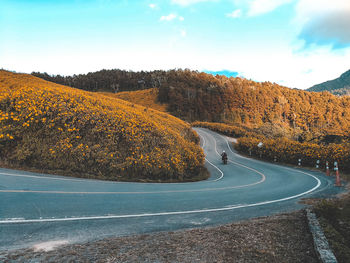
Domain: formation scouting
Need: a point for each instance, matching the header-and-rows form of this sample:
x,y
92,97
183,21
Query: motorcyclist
x,y
224,157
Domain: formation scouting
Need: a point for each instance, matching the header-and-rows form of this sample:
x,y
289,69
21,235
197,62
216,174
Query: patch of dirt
x,y
279,238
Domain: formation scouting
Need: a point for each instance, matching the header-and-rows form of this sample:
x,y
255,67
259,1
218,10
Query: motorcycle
x,y
224,158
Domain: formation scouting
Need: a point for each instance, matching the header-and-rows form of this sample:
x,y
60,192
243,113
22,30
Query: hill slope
x,y
147,98
199,96
69,131
338,86
195,96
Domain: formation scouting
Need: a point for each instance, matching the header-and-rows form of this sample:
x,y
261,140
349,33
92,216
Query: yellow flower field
x,y
56,128
288,151
147,98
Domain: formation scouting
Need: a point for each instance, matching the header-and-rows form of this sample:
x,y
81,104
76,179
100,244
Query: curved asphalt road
x,y
36,208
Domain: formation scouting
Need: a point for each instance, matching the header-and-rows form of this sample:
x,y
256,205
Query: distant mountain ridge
x,y
339,86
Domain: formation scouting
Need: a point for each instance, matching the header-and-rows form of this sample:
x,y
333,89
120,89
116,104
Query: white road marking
x,y
226,208
263,177
222,173
204,141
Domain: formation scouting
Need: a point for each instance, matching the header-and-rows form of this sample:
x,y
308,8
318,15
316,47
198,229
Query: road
x,y
36,208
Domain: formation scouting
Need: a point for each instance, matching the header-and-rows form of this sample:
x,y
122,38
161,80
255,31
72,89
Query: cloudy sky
x,y
296,43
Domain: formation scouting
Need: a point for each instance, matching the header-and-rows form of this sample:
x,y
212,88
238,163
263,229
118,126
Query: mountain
x,y
338,86
58,129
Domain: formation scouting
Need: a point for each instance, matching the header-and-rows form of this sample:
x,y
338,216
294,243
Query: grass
x,y
334,217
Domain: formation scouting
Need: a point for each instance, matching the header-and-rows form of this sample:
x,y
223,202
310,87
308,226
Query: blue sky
x,y
296,43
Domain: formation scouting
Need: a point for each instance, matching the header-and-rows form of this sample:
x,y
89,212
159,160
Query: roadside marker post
x,y
337,177
318,164
327,169
299,162
260,145
275,158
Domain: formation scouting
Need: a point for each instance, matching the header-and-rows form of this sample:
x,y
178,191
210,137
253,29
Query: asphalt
x,y
37,208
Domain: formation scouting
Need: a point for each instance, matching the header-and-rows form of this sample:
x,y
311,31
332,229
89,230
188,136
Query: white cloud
x,y
168,17
153,6
183,33
323,22
171,17
188,2
235,14
258,7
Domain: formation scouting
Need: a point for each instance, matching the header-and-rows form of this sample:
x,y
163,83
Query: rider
x,y
224,156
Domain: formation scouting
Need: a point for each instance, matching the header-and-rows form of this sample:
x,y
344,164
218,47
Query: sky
x,y
295,43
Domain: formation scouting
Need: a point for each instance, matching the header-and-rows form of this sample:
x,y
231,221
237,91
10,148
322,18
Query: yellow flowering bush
x,y
288,151
146,97
229,130
74,132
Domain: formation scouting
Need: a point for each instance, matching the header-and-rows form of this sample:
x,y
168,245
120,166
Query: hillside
x,y
339,86
147,98
195,96
73,132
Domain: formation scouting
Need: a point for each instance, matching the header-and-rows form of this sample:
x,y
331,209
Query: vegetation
x,y
317,124
282,148
339,86
201,97
288,151
147,98
57,128
334,216
195,96
229,130
114,80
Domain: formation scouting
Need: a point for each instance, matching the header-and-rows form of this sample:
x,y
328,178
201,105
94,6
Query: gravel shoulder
x,y
278,238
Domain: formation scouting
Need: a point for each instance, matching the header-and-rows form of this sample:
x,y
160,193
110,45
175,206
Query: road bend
x,y
36,208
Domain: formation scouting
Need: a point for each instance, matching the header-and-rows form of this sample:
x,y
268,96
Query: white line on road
x,y
226,208
232,207
263,177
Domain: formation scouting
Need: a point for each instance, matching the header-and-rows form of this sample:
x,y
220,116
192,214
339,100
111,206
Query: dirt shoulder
x,y
334,217
279,238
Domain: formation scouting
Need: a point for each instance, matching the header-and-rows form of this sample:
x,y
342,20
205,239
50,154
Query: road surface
x,y
36,208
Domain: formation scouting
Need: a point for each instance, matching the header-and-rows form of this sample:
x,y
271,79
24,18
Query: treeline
x,y
114,80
